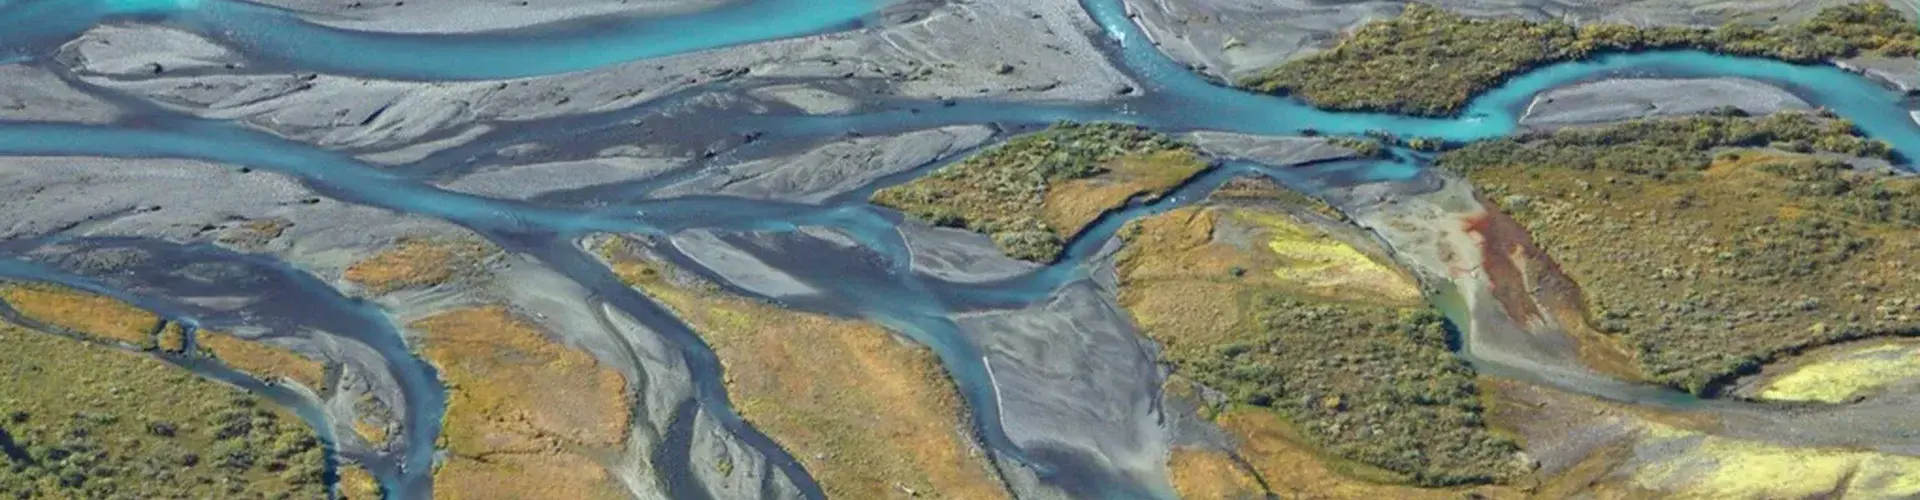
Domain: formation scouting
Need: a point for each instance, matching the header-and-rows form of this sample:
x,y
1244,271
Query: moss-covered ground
x,y
1302,328
81,420
869,415
1842,376
524,412
1709,253
1036,191
1431,62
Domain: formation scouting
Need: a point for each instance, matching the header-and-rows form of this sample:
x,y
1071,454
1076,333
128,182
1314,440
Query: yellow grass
x,y
521,409
93,315
868,415
1314,260
264,361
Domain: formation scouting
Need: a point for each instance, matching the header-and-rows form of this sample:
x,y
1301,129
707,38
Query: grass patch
x,y
522,410
1295,323
1430,62
1037,190
267,362
416,263
79,420
96,316
1710,266
868,415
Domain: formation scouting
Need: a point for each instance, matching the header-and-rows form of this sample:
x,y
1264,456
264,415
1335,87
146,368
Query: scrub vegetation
x,y
416,263
1708,258
1037,190
81,420
1430,62
869,415
1302,329
524,413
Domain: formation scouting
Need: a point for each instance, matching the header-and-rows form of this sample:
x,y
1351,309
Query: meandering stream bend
x,y
1172,99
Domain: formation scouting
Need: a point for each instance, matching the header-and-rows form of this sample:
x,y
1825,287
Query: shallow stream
x,y
880,288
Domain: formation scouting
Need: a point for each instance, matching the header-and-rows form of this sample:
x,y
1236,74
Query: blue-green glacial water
x,y
1171,98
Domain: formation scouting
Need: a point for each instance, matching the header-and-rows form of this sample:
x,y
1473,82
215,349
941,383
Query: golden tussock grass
x,y
1202,474
94,315
868,415
521,409
262,360
415,263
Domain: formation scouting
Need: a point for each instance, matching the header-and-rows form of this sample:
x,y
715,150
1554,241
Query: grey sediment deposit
x,y
958,255
1899,73
1617,100
830,169
468,16
1233,39
31,93
1269,150
1014,52
534,179
737,266
1078,385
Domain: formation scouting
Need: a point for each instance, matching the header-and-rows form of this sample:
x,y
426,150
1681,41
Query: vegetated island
x,y
1037,190
527,416
868,415
1715,244
1430,62
82,419
1307,334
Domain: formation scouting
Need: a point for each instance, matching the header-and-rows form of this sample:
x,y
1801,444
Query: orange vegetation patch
x,y
264,361
94,315
870,416
525,476
1295,471
1201,474
522,410
415,263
